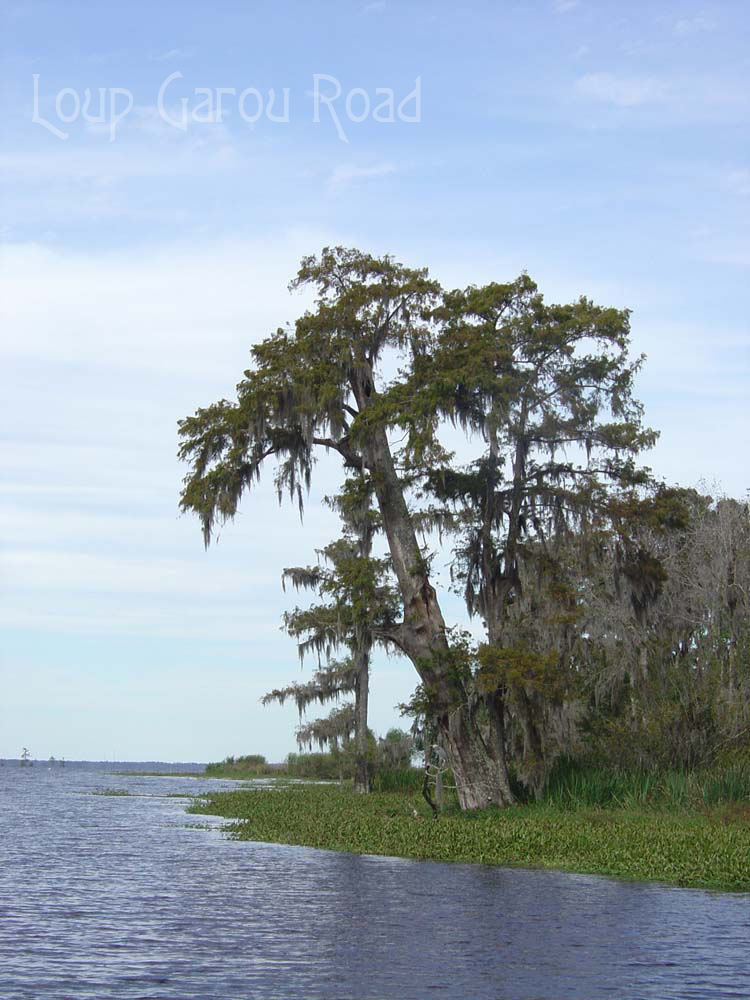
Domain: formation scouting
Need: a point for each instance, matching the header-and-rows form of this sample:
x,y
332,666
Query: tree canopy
x,y
563,545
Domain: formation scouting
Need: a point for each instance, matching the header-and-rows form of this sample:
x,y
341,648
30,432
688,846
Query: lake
x,y
127,896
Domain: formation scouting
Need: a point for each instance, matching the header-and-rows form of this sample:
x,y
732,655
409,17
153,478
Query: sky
x,y
602,147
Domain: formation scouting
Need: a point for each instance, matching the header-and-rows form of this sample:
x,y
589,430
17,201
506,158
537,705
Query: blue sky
x,y
602,147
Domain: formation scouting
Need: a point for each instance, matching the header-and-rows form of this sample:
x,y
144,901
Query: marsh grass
x,y
398,780
573,786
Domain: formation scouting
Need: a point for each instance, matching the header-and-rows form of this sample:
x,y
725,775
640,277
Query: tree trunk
x,y
495,706
495,702
481,778
361,693
643,662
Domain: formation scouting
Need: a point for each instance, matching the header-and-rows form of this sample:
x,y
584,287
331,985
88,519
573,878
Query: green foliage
x,y
333,730
519,665
307,387
248,766
360,607
328,684
359,598
574,786
707,850
389,761
331,766
395,749
401,779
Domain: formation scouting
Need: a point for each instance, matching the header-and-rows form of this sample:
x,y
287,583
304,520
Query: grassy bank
x,y
709,849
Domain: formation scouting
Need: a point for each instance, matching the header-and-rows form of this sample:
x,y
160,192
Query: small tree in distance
x,y
359,602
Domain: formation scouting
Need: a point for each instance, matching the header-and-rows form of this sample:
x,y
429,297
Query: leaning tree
x,y
316,386
484,358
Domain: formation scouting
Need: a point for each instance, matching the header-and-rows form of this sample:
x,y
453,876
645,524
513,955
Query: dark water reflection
x,y
114,897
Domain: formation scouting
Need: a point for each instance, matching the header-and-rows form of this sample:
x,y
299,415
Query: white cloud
x,y
153,575
563,6
195,154
228,623
102,354
377,7
172,54
622,91
738,181
707,100
695,25
173,308
682,359
346,173
731,251
99,58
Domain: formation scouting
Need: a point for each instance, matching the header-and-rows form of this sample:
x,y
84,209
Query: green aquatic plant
x,y
709,849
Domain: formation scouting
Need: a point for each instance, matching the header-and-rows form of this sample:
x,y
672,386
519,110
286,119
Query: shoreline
x,y
683,848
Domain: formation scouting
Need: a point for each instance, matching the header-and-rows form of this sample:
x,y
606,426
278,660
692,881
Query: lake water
x,y
117,897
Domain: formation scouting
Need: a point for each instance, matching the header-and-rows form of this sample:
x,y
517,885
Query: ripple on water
x,y
114,896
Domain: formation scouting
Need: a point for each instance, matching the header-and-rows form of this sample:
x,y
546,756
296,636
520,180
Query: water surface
x,y
118,897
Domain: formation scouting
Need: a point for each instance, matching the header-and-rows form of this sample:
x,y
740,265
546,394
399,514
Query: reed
x,y
573,786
